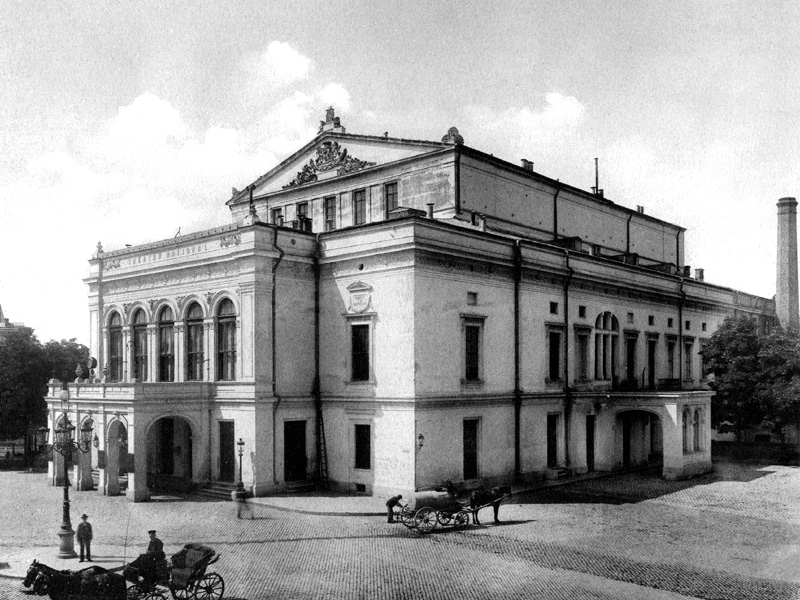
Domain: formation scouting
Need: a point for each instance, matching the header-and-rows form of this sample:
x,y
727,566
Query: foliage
x,y
732,354
25,368
779,383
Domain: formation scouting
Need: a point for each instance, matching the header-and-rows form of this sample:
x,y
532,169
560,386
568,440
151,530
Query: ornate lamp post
x,y
240,485
65,445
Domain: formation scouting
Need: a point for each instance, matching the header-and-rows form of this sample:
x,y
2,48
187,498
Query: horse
x,y
94,583
480,498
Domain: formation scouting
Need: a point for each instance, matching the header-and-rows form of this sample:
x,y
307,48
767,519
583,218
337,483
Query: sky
x,y
121,122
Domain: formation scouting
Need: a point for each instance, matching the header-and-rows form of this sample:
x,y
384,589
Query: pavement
x,y
732,535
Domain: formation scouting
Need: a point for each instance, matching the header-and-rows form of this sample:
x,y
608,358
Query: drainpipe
x,y
317,392
555,210
517,390
567,392
274,354
628,235
680,333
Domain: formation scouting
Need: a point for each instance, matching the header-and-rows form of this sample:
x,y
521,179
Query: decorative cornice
x,y
330,156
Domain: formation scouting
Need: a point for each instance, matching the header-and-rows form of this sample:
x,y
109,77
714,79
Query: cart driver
x,y
151,559
156,547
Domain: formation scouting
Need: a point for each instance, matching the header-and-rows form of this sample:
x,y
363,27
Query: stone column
x,y
672,427
786,297
179,350
137,480
152,352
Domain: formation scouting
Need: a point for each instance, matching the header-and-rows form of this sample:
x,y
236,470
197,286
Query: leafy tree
x,y
23,384
62,357
732,354
780,377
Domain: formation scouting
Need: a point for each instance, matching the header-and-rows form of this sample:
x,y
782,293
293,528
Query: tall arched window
x,y
697,429
226,341
606,339
166,345
687,433
140,346
194,343
115,348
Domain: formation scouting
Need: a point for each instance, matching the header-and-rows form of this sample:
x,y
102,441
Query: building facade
x,y
382,314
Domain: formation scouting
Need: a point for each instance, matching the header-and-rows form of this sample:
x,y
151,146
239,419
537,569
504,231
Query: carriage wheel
x,y
134,593
210,587
425,519
182,593
445,517
462,519
407,517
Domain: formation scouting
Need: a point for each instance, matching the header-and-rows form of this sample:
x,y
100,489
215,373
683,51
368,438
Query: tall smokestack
x,y
786,298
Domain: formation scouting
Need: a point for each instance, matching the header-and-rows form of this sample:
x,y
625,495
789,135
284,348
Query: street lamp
x,y
65,444
240,485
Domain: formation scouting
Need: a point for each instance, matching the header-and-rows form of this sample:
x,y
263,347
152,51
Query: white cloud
x,y
335,95
280,64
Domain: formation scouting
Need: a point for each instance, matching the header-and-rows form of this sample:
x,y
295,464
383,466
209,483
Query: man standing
x,y
390,504
85,537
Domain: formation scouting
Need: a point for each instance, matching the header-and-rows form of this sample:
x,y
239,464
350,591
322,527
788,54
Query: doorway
x,y
294,451
227,451
552,441
590,421
470,449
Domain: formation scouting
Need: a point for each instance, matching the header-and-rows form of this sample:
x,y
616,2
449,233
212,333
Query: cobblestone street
x,y
731,535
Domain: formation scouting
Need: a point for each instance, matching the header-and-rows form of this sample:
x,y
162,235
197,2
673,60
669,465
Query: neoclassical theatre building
x,y
383,313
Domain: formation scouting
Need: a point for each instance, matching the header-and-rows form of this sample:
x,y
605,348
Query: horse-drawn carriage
x,y
427,508
185,578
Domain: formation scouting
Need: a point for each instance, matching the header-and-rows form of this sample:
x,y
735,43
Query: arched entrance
x,y
170,455
639,439
117,460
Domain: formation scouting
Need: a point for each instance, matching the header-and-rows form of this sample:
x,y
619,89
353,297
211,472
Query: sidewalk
x,y
15,566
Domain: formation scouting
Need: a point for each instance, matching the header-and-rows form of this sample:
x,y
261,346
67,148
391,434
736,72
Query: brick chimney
x,y
786,298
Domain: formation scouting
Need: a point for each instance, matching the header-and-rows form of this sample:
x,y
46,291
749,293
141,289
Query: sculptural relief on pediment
x,y
330,157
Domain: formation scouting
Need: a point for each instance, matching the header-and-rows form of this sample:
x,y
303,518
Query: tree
x,y
779,385
62,357
732,354
23,384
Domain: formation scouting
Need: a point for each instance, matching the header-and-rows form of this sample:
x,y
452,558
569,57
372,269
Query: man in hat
x,y
156,547
149,561
85,537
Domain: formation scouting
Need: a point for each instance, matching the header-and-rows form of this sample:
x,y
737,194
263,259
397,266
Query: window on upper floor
x,y
582,355
330,213
195,354
302,212
554,355
606,340
140,346
390,192
688,359
359,352
276,216
359,207
115,347
226,341
671,359
166,345
363,446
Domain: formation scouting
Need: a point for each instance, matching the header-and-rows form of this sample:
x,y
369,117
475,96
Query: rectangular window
x,y
630,359
140,353
359,352
703,326
226,350
554,348
687,360
330,213
363,447
554,308
166,354
630,317
359,207
688,325
582,366
390,191
669,322
472,339
277,216
472,298
704,370
115,354
671,359
302,211
194,354
582,312
651,320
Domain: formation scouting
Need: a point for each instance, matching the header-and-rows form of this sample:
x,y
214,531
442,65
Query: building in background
x,y
382,314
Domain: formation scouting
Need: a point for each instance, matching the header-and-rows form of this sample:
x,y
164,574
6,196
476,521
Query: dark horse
x,y
482,498
95,583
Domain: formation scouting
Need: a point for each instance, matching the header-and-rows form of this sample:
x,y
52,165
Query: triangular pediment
x,y
333,154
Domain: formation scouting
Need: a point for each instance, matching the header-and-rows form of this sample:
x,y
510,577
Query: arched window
x,y
115,348
166,345
687,433
606,339
226,341
194,343
140,346
697,430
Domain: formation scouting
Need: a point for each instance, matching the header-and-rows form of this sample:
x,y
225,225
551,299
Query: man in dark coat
x,y
156,547
390,504
85,537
